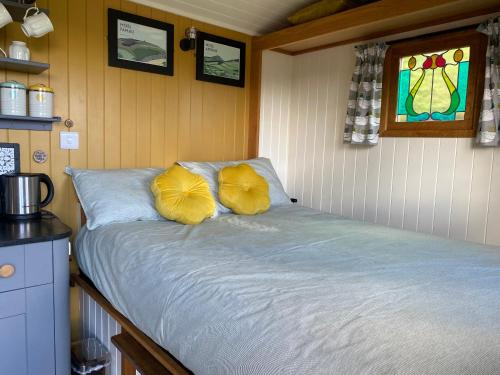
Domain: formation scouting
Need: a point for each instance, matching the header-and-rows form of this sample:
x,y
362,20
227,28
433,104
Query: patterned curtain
x,y
365,95
489,119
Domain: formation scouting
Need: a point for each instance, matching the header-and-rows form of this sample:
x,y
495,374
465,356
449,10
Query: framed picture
x,y
220,60
431,85
9,158
140,43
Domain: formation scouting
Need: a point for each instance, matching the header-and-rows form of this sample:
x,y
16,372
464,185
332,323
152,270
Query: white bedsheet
x,y
296,291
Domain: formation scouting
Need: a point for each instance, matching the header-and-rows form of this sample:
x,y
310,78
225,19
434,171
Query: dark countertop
x,y
20,232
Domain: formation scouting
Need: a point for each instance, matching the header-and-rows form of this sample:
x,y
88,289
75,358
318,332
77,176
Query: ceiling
x,y
254,17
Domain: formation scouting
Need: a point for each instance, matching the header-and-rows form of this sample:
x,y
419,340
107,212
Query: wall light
x,y
189,42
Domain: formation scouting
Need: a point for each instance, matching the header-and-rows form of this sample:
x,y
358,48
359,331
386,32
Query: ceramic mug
x,y
36,25
18,50
5,17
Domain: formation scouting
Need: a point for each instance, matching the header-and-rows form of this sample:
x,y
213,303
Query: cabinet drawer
x,y
11,268
25,266
12,303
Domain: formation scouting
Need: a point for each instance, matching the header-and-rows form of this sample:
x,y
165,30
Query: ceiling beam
x,y
383,14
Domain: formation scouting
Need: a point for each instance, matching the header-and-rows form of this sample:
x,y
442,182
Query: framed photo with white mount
x,y
140,43
220,60
9,158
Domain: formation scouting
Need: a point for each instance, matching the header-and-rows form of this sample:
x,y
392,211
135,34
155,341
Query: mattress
x,y
297,291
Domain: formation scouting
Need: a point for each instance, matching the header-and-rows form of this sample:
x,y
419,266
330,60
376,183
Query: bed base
x,y
136,358
138,350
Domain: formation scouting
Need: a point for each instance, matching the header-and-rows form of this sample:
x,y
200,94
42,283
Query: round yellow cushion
x,y
243,190
183,196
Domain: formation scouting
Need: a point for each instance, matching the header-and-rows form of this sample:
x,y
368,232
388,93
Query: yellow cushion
x,y
324,8
242,190
183,196
317,10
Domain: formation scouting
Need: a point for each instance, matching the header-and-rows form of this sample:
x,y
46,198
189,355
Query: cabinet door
x,y
13,345
61,307
40,329
38,263
12,303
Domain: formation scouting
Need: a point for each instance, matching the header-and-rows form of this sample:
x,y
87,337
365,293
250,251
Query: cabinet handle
x,y
7,270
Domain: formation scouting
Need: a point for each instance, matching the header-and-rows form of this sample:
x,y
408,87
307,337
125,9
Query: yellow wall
x,y
125,118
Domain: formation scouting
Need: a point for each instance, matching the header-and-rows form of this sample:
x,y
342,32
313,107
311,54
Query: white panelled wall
x,y
275,110
444,186
96,322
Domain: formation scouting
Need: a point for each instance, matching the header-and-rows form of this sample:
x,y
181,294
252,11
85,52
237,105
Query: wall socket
x,y
69,140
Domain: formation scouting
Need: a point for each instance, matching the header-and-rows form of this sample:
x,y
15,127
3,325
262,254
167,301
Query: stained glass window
x,y
433,86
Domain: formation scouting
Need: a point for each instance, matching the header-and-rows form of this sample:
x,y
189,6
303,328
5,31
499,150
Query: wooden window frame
x,y
458,128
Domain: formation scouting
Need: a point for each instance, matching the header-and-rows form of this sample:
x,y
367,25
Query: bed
x,y
296,291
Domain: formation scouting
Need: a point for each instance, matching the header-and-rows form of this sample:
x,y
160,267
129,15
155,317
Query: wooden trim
x,y
83,217
376,12
333,44
389,127
254,115
284,51
160,354
127,366
443,21
429,133
135,357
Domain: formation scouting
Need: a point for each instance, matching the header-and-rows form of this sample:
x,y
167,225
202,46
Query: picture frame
x,y
220,60
422,50
140,43
9,158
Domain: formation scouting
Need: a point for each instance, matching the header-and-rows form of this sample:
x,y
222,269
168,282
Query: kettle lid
x,y
22,174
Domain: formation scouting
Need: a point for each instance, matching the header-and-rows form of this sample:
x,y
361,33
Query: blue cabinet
x,y
13,345
34,308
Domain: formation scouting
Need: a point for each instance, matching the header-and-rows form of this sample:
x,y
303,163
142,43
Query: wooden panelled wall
x,y
446,187
125,118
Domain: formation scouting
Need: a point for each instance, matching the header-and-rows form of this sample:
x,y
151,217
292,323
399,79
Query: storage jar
x,y
41,101
12,98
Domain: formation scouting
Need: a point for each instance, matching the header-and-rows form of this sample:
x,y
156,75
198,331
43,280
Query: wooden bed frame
x,y
135,346
137,349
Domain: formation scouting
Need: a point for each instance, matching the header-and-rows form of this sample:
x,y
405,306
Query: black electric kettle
x,y
21,195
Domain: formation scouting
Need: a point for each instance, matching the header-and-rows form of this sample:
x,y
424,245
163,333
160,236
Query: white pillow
x,y
115,195
210,171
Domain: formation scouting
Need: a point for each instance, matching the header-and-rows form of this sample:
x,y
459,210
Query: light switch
x,y
70,140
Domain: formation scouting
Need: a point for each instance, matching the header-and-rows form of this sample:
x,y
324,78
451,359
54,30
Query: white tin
x,y
41,103
13,101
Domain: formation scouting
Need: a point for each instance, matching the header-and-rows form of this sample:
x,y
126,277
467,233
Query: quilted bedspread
x,y
297,291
